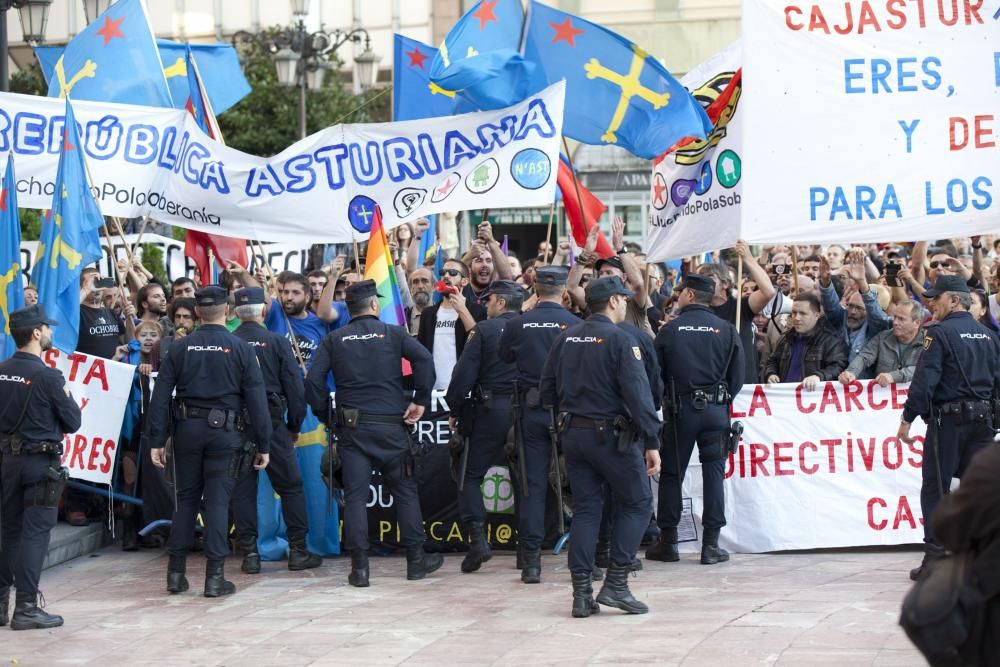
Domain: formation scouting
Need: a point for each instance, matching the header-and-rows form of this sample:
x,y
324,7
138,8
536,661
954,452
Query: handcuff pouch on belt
x,y
349,417
11,442
626,433
48,491
968,411
243,458
563,420
717,395
532,398
277,405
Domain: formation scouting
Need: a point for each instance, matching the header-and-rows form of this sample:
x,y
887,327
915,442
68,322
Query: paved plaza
x,y
828,608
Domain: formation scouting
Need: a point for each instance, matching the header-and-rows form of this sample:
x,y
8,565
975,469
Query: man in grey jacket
x,y
892,354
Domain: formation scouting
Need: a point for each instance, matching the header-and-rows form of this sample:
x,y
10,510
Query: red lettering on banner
x,y
77,359
898,396
851,393
897,14
798,402
872,502
830,446
93,454
758,454
780,459
83,403
916,463
109,455
867,455
830,398
887,448
903,513
76,458
814,468
871,396
97,372
50,356
758,401
856,17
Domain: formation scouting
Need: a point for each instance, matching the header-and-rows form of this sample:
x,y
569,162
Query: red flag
x,y
592,208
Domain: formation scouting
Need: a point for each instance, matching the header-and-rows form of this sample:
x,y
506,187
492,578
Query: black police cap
x,y
502,288
360,291
602,289
698,283
249,296
551,275
211,295
30,316
947,284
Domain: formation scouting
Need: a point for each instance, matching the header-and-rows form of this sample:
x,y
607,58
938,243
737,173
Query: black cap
x,y
249,296
602,289
211,295
360,291
698,283
947,284
30,316
614,261
551,275
502,288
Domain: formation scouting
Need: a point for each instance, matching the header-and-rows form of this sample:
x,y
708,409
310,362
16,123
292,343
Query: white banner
x,y
696,192
102,388
870,121
817,469
158,163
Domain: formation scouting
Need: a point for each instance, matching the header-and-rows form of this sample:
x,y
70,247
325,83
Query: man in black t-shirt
x,y
101,332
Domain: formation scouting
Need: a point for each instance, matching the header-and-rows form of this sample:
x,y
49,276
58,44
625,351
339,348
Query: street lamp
x,y
94,8
34,15
301,57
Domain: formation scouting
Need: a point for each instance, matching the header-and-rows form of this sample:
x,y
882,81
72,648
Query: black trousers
x,y
593,461
283,472
949,447
707,428
202,456
26,524
379,447
493,420
537,459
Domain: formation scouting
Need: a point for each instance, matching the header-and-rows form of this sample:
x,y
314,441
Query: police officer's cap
x,y
551,275
502,288
698,283
360,291
211,295
947,284
249,296
30,316
614,261
602,289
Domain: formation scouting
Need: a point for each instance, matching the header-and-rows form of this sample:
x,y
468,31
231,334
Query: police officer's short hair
x,y
361,307
546,291
249,311
811,299
211,312
22,335
702,298
964,298
513,301
598,306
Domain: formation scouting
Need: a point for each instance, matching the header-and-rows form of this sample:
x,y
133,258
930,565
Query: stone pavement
x,y
831,608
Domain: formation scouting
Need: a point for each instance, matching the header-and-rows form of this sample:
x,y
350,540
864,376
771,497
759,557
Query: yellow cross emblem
x,y
438,90
5,282
179,68
88,71
60,248
630,87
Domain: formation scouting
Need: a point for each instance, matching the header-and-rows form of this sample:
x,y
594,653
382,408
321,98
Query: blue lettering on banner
x,y
858,208
181,152
457,148
301,177
366,172
428,154
334,165
191,171
496,136
401,160
29,133
908,129
536,118
103,138
263,179
881,72
167,159
957,198
214,176
56,126
140,144
5,125
996,64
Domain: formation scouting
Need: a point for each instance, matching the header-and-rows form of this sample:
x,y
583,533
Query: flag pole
x,y
548,234
739,291
795,270
211,269
288,322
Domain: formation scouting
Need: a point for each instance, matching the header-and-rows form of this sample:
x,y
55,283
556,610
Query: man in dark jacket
x,y
809,352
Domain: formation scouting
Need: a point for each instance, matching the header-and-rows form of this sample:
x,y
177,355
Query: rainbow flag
x,y
379,267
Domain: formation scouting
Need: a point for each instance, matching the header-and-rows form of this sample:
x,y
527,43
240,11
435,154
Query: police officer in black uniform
x,y
526,342
287,404
595,377
701,359
481,376
217,377
953,390
372,417
38,410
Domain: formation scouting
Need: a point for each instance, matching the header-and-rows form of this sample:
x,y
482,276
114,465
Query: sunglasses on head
x,y
452,272
936,264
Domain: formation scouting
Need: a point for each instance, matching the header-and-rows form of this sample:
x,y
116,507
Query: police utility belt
x,y
14,444
965,411
701,398
481,394
621,426
352,418
227,420
530,397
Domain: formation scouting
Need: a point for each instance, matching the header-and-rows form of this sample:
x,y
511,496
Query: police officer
x,y
701,359
216,376
953,391
595,377
372,416
287,404
526,342
482,377
38,410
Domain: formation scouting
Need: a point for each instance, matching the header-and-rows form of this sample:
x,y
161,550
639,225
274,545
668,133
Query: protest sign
x,y
817,469
324,188
696,190
102,388
870,121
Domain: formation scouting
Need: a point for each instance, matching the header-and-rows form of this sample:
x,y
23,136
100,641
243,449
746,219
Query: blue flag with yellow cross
x,y
11,288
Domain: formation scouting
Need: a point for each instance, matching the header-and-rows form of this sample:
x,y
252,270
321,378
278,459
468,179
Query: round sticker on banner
x,y
498,490
681,191
361,213
483,177
408,200
531,168
704,179
445,187
728,169
659,192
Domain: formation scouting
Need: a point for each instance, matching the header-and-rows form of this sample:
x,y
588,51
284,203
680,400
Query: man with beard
x,y
317,281
444,327
810,266
862,318
891,355
152,303
38,412
486,263
421,285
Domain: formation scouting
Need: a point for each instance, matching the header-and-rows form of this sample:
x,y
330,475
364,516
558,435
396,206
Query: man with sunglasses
x,y
445,326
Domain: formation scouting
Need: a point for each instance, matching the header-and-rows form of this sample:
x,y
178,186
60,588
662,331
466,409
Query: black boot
x,y
932,552
596,573
215,581
176,581
519,558
130,534
666,549
251,563
479,548
4,606
711,553
28,615
419,563
300,558
583,596
602,556
531,573
359,569
615,592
